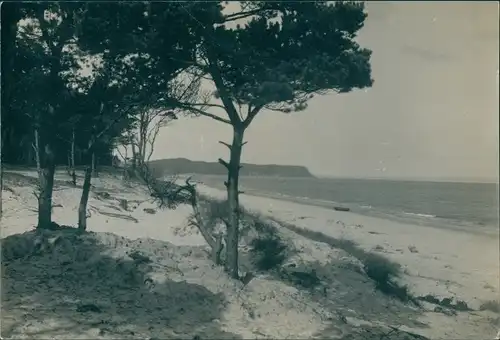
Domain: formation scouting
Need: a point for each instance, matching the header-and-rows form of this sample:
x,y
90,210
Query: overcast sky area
x,y
432,112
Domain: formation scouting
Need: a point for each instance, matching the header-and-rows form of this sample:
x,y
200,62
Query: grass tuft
x,y
380,269
268,252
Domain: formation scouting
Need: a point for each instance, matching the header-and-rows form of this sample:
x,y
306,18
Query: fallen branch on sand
x,y
215,242
123,217
398,331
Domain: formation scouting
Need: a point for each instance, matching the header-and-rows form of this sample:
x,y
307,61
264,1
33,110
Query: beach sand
x,y
187,295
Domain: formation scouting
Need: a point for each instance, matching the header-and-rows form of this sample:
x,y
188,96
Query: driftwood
x,y
215,242
163,193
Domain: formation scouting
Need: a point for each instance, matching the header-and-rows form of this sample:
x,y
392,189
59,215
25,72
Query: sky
x,y
432,112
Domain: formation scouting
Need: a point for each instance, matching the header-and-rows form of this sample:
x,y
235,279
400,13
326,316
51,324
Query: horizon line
x,y
470,180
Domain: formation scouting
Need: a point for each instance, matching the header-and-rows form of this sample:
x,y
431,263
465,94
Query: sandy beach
x,y
39,294
465,262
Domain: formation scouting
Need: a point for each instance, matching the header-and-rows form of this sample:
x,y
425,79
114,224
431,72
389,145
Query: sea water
x,y
471,205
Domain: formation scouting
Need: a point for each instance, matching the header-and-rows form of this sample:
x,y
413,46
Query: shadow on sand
x,y
14,179
63,284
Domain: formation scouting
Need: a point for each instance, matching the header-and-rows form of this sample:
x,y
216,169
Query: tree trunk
x,y
1,170
28,154
1,184
82,209
232,237
72,159
134,156
37,156
94,169
46,187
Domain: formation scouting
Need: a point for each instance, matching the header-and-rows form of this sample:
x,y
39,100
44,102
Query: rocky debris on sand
x,y
103,195
413,249
149,211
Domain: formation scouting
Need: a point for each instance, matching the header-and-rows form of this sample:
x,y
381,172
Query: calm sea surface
x,y
466,204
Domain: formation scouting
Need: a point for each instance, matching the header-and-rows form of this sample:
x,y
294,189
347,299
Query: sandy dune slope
x,y
146,274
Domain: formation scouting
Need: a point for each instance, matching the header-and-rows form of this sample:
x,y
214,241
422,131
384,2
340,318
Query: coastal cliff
x,y
186,166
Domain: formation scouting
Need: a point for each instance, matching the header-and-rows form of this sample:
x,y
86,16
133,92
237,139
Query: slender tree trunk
x,y
28,154
142,138
36,147
134,156
94,165
1,170
72,159
46,187
82,209
1,185
232,237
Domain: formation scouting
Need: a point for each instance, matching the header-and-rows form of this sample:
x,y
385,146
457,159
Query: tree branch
x,y
202,113
209,105
251,115
223,162
121,155
241,15
219,84
225,144
151,140
109,126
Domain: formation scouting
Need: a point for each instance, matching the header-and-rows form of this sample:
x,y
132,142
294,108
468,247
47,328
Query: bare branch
x,y
206,105
223,162
110,125
225,144
214,242
241,15
151,138
121,155
204,113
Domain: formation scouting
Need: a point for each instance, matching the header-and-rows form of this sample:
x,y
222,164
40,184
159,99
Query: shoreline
x,y
412,218
445,262
407,218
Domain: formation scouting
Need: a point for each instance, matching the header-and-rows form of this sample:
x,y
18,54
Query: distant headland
x,y
185,166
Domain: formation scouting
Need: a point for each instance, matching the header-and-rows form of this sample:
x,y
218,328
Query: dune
x,y
144,272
